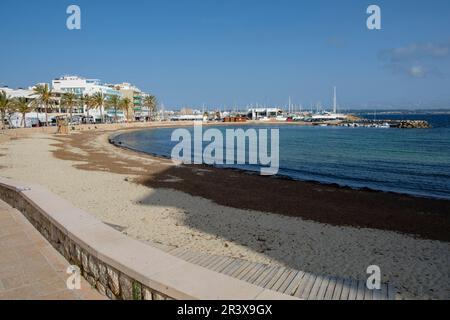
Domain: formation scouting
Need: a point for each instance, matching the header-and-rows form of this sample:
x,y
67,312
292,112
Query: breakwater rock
x,y
410,124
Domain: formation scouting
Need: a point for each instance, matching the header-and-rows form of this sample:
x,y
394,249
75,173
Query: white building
x,y
81,86
18,93
15,119
264,113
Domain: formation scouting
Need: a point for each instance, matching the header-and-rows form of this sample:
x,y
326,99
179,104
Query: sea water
x,y
410,161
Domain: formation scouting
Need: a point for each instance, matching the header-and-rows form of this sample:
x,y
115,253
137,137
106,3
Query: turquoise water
x,y
414,162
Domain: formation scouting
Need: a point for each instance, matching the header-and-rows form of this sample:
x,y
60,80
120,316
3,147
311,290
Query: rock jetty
x,y
410,124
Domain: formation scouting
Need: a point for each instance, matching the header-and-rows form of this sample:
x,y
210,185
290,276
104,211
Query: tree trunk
x,y
115,114
3,115
37,114
46,116
24,124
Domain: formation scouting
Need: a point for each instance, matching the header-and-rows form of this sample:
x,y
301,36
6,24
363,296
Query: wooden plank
x,y
187,255
360,290
323,288
288,281
183,254
338,289
268,277
264,275
252,271
223,263
293,286
208,261
176,251
392,292
384,292
308,286
256,275
216,263
353,290
346,289
302,285
281,279
203,259
368,295
377,294
315,289
275,278
224,266
246,271
232,267
330,289
241,269
195,258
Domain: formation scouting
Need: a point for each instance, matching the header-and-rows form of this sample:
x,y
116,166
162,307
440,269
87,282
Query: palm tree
x,y
150,102
125,104
22,106
44,97
114,102
98,101
89,102
5,104
68,100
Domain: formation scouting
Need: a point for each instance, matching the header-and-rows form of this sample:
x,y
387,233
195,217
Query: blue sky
x,y
226,52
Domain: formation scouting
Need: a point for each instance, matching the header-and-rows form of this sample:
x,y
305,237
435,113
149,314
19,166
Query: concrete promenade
x,y
30,268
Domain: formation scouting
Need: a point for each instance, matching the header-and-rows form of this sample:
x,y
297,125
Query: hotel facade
x,y
82,86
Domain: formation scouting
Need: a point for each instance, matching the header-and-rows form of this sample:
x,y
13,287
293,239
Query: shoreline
x,y
95,176
375,209
414,218
277,176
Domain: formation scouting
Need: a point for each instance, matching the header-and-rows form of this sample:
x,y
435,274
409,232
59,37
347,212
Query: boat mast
x,y
335,102
289,112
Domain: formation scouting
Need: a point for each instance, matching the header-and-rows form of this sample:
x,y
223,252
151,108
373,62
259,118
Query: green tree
x,y
87,101
43,97
6,104
98,101
151,103
22,106
114,101
68,100
125,105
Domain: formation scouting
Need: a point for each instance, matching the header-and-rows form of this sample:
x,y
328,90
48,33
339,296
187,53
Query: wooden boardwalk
x,y
292,282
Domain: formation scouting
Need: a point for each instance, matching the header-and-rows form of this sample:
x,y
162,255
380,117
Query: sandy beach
x,y
208,210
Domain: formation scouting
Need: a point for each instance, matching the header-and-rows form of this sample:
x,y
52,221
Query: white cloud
x,y
418,51
417,71
417,60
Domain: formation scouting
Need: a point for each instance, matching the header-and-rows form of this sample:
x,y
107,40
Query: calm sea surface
x,y
414,162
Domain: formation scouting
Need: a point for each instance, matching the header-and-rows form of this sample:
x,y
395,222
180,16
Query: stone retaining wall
x,y
107,280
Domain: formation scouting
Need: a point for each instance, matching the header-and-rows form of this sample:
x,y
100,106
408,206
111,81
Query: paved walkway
x,y
30,268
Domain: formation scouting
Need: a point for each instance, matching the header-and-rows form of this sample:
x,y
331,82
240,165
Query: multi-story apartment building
x,y
82,86
135,95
